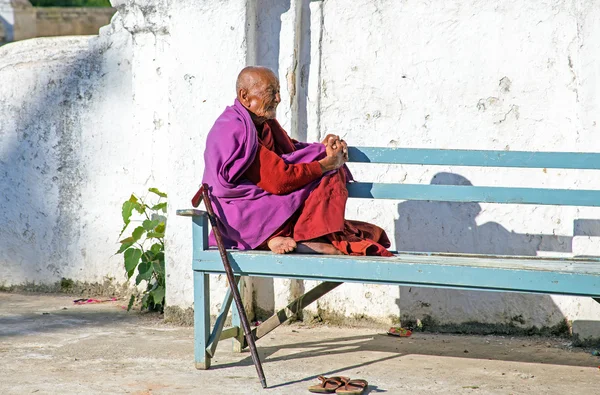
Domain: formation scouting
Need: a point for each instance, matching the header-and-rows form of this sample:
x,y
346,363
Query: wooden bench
x,y
564,276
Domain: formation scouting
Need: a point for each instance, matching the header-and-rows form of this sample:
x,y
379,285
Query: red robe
x,y
322,215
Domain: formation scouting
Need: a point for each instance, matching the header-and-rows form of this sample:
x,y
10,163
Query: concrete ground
x,y
48,345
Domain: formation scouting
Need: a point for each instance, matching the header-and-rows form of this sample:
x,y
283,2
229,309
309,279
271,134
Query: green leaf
x,y
132,257
126,211
123,230
128,240
144,272
151,286
124,246
156,248
156,191
131,300
158,295
148,256
138,232
155,235
145,300
160,206
160,228
150,224
159,267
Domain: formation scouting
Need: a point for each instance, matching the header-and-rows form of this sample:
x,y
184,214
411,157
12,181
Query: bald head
x,y
250,76
258,90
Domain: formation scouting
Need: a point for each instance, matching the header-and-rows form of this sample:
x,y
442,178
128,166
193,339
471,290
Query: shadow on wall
x,y
432,226
451,227
304,64
268,31
268,50
4,32
43,170
422,225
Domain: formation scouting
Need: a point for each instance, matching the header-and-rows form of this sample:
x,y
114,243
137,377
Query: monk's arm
x,y
275,176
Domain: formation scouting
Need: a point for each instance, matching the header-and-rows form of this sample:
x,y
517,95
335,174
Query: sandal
x,y
328,385
399,331
352,387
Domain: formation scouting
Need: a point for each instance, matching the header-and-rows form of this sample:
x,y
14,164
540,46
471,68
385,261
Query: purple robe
x,y
248,215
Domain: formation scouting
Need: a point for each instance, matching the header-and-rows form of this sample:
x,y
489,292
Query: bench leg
x,y
292,310
217,331
239,341
201,319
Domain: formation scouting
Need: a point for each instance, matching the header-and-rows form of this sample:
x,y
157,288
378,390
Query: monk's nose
x,y
277,98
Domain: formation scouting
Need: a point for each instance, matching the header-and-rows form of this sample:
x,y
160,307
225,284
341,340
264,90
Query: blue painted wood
x,y
459,193
239,341
200,232
215,335
579,277
190,212
567,276
421,156
201,319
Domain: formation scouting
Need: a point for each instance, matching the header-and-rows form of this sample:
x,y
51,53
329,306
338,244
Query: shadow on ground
x,y
499,348
100,348
20,317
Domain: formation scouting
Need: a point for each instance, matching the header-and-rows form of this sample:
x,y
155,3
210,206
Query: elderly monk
x,y
272,192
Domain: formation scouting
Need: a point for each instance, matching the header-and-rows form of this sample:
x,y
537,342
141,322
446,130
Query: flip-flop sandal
x,y
398,331
328,385
352,387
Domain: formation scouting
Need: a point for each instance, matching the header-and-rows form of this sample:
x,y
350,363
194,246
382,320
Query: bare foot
x,y
315,247
282,245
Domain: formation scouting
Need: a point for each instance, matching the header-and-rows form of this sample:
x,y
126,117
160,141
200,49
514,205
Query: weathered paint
x,y
201,319
454,193
216,331
480,158
519,274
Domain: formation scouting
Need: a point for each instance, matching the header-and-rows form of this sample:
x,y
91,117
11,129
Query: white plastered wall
x,y
86,121
471,75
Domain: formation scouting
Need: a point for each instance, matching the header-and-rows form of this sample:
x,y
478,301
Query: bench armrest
x,y
191,212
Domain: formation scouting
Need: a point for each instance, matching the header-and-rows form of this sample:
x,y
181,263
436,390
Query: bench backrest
x,y
484,194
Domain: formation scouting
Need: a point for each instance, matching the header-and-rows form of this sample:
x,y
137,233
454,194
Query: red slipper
x,y
398,331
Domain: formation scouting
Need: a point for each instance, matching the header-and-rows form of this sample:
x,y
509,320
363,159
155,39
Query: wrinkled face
x,y
263,97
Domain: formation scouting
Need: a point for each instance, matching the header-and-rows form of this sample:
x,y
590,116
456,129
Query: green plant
x,y
150,262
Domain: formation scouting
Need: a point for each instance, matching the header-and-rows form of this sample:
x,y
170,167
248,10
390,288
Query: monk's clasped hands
x,y
337,153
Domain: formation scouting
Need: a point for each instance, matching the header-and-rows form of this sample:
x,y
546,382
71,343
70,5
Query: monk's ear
x,y
243,97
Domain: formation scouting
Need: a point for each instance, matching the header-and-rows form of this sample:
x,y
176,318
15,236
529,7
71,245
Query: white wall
x,y
207,42
472,75
65,158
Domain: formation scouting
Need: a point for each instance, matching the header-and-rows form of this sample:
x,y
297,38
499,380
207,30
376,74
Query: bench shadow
x,y
516,349
428,226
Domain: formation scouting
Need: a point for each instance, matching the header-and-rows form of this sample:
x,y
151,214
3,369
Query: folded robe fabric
x,y
241,205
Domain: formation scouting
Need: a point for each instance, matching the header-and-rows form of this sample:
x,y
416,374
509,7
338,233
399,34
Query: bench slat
x,y
423,156
578,277
459,193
